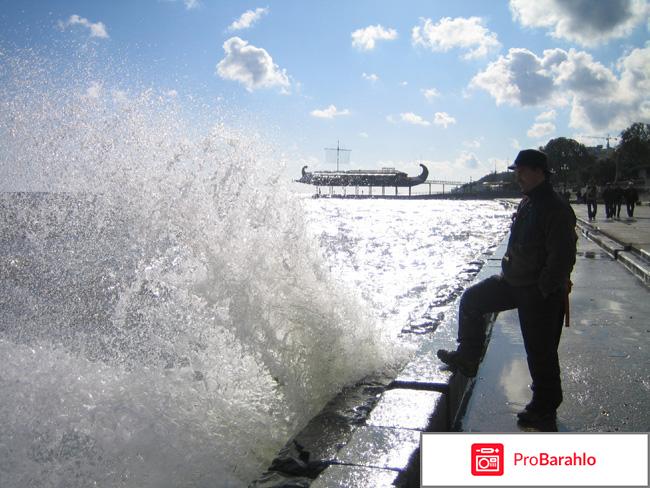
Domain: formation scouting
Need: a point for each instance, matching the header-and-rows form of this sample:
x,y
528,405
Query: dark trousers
x,y
630,208
592,208
540,320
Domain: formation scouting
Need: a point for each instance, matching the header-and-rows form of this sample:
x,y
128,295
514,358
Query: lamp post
x,y
565,170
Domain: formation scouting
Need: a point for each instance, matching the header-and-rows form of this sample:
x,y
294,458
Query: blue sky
x,y
459,85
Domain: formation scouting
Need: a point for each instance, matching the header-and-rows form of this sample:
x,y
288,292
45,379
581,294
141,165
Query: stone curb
x,y
424,397
637,261
383,450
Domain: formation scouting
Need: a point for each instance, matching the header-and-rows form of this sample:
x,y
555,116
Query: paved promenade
x,y
634,232
604,354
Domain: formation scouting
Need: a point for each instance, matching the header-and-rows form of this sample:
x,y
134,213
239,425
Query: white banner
x,y
534,459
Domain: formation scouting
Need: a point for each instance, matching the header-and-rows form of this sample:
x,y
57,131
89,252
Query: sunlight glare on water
x,y
406,257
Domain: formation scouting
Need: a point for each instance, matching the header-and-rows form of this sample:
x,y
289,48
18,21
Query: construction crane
x,y
607,138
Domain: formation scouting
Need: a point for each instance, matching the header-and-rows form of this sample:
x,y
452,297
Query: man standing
x,y
535,280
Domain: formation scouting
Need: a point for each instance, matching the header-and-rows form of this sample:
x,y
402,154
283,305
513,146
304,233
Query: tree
x,y
636,132
603,171
633,153
569,160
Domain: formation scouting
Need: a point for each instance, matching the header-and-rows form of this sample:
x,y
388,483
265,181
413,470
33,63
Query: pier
x,y
386,192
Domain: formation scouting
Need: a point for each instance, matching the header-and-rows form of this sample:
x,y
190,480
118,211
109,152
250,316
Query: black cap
x,y
532,158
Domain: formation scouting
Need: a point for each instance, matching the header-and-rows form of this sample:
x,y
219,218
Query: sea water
x,y
407,258
171,311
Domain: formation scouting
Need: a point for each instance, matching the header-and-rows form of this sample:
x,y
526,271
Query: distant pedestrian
x,y
535,275
631,197
617,194
591,198
608,198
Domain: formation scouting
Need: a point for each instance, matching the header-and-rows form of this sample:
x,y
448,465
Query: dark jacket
x,y
591,195
542,245
608,194
631,195
618,194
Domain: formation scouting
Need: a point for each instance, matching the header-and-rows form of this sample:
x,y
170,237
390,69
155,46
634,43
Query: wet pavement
x,y
603,354
634,231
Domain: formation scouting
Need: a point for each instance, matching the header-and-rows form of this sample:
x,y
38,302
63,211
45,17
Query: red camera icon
x,y
487,459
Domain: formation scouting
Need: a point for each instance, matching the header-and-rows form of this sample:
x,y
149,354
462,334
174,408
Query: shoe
x,y
536,417
457,362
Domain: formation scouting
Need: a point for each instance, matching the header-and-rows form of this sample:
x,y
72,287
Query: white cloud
x,y
364,135
587,22
252,66
248,18
430,93
601,99
546,116
370,77
403,83
499,165
366,39
468,160
467,34
474,144
444,119
541,129
97,29
329,112
415,119
514,143
581,74
189,4
520,77
440,118
171,93
635,74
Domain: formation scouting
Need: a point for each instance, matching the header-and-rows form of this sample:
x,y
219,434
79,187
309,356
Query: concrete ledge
x,y
637,261
343,476
637,266
612,247
410,409
383,449
380,447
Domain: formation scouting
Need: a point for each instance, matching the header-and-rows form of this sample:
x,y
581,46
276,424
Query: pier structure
x,y
359,190
444,183
362,178
379,191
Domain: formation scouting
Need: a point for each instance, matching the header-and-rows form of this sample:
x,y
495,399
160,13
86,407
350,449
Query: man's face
x,y
528,177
